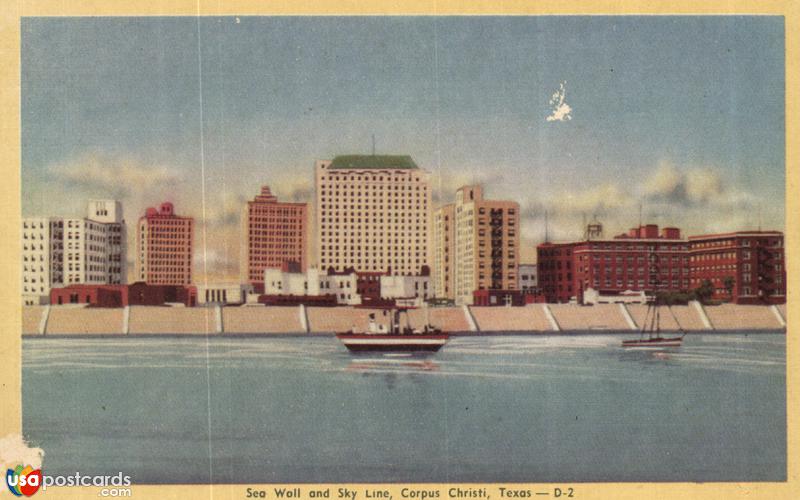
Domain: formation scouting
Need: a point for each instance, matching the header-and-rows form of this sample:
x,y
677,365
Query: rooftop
x,y
373,162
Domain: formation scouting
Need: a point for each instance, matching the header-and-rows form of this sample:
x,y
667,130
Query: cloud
x,y
561,111
694,185
444,184
223,209
15,451
696,199
114,177
297,188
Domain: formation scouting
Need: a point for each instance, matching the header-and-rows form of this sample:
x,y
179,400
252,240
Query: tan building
x,y
372,214
486,244
274,233
164,247
444,245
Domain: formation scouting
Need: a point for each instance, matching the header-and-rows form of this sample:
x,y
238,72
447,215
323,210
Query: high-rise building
x,y
444,249
642,259
745,267
274,233
59,251
111,255
486,244
372,214
164,244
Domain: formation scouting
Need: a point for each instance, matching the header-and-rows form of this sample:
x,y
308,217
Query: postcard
x,y
387,254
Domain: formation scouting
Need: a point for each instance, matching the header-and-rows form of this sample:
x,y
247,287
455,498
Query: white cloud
x,y
696,199
695,185
115,177
561,111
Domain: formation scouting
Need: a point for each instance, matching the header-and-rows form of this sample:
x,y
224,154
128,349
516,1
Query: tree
x,y
704,292
729,282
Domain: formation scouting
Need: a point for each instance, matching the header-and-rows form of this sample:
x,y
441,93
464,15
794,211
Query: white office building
x,y
60,251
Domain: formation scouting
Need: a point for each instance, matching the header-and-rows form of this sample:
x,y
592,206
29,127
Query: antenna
x,y
640,213
373,144
546,230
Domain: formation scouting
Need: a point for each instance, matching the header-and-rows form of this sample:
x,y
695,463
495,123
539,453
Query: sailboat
x,y
650,332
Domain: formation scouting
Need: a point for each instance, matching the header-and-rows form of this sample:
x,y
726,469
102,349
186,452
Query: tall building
x,y
745,267
42,258
476,244
372,214
614,265
444,249
59,251
487,244
164,243
274,233
110,247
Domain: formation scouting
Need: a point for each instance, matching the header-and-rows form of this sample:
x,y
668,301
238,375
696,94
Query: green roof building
x,y
362,162
372,214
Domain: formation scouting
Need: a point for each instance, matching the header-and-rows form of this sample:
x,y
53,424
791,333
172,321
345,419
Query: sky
x,y
581,117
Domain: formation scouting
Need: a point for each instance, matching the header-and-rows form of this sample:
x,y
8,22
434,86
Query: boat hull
x,y
652,343
392,343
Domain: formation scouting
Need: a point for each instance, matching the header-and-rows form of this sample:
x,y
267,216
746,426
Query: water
x,y
484,409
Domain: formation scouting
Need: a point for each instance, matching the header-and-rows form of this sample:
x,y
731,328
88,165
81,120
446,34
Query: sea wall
x,y
259,320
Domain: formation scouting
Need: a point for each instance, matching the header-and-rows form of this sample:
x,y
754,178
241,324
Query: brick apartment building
x,y
745,267
274,233
614,265
164,243
476,246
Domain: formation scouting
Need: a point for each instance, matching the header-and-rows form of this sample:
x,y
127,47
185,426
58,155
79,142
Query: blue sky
x,y
682,114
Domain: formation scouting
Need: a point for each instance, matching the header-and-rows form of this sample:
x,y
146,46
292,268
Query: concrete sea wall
x,y
259,320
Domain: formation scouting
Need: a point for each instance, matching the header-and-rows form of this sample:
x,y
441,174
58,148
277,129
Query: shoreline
x,y
575,333
534,319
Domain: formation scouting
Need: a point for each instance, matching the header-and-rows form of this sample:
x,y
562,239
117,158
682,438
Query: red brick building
x,y
164,247
275,232
745,267
642,259
368,286
135,294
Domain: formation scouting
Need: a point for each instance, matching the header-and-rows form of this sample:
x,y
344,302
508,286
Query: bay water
x,y
504,408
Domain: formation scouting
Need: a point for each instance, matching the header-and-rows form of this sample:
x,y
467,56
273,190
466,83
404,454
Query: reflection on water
x,y
487,409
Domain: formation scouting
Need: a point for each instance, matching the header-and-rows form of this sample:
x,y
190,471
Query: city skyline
x,y
681,114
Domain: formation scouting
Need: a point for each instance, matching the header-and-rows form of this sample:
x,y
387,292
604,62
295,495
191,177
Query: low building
x,y
514,298
222,294
528,275
90,295
368,286
296,300
744,267
414,289
135,294
287,282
